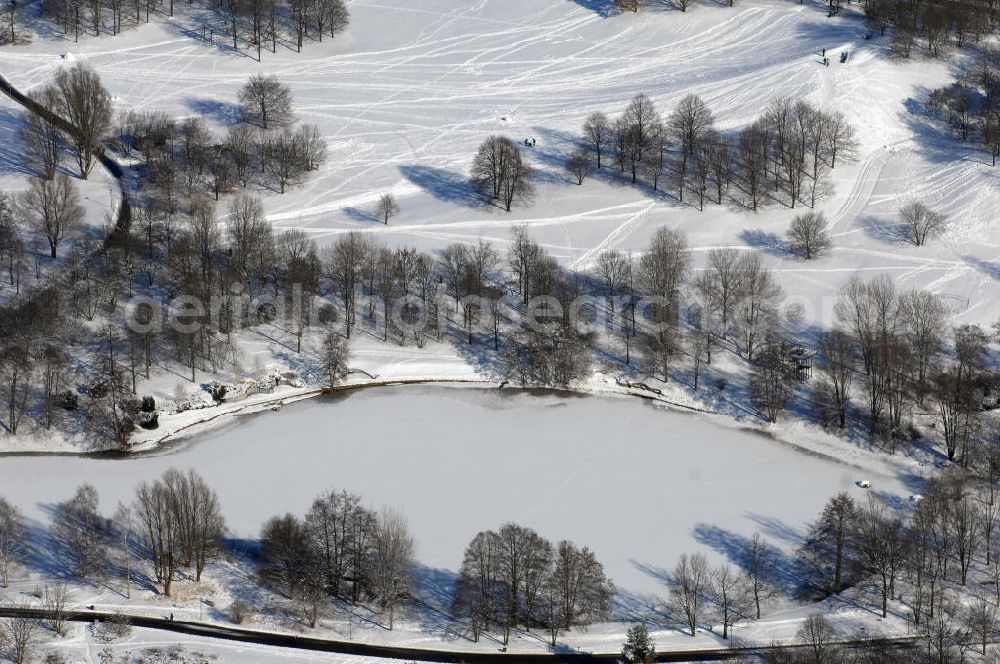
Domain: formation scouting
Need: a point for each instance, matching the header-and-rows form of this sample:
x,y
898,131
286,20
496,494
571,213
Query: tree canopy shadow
x,y
221,112
443,185
935,140
767,242
12,154
783,573
603,8
991,268
361,216
884,230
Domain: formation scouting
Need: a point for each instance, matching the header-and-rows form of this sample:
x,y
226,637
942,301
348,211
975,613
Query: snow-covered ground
x,y
408,93
403,100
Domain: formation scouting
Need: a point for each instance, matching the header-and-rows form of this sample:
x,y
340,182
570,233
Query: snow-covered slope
x,y
408,93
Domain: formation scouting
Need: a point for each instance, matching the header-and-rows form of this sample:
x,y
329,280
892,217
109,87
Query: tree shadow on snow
x,y
221,112
603,8
936,141
784,572
766,242
443,185
991,268
431,602
361,216
11,151
884,230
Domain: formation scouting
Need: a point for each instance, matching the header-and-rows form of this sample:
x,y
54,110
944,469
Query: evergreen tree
x,y
639,647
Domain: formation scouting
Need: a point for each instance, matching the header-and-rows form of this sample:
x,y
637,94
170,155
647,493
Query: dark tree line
x,y
185,162
894,353
174,524
341,549
252,24
785,155
514,576
922,563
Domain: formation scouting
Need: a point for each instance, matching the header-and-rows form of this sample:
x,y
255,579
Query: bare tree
x,y
14,539
52,208
921,223
266,102
754,149
817,635
124,524
392,569
16,369
240,146
478,590
758,301
55,598
809,235
663,268
580,589
829,547
16,637
639,123
774,378
344,262
524,558
731,596
759,567
869,311
81,532
840,137
86,105
880,545
387,207
42,139
922,316
721,283
283,158
836,366
310,146
287,555
578,165
982,619
340,531
499,172
690,122
613,267
598,134
180,517
688,584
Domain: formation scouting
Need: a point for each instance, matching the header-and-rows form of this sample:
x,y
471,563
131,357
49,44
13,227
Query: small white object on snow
x,y
864,484
916,498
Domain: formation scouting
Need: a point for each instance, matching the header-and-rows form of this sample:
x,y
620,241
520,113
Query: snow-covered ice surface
x,y
638,484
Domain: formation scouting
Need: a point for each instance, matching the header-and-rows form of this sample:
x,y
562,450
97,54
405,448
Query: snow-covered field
x,y
638,484
409,92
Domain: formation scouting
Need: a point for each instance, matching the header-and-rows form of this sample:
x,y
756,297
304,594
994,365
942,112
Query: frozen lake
x,y
638,484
